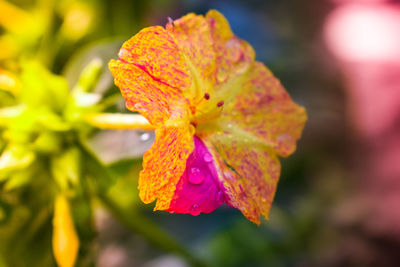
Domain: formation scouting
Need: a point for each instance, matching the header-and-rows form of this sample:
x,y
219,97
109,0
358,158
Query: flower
x,y
221,119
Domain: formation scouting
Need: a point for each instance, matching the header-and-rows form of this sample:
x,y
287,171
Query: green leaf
x,y
52,121
66,168
21,128
103,51
89,76
18,179
41,88
47,142
14,158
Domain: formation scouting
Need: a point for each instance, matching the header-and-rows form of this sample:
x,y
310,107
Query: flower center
x,y
205,109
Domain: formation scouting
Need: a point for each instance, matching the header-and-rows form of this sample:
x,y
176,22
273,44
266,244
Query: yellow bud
x,y
65,239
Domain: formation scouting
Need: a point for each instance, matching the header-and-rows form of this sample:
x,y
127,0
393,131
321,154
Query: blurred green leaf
x,y
89,76
51,120
47,142
66,168
41,88
101,51
15,158
18,179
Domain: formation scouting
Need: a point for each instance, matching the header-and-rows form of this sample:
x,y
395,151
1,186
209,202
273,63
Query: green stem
x,y
139,224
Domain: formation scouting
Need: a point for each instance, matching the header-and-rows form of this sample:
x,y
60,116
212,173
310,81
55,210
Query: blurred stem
x,y
139,224
118,121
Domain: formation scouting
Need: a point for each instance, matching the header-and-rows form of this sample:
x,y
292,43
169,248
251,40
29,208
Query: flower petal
x,y
164,163
261,114
233,55
248,174
258,123
155,51
156,101
193,37
152,75
199,189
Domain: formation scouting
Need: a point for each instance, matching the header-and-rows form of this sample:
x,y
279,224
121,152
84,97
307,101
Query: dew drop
x,y
207,157
222,75
241,67
145,137
195,209
196,176
123,53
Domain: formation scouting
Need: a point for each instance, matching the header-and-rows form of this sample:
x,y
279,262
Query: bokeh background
x,y
338,199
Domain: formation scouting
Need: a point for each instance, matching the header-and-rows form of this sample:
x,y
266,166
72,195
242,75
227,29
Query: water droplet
x,y
207,157
196,176
241,67
123,53
222,75
220,196
195,210
136,106
145,137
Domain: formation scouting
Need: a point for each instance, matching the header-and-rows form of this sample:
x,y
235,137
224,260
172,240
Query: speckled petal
x,y
156,101
261,113
256,125
265,111
152,75
164,163
234,56
155,51
249,175
193,37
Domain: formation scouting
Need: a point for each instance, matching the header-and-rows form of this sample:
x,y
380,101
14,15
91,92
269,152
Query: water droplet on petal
x,y
196,176
222,75
220,196
207,157
195,210
242,67
123,53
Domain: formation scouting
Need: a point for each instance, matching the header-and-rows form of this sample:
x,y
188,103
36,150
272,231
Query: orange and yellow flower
x,y
221,118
